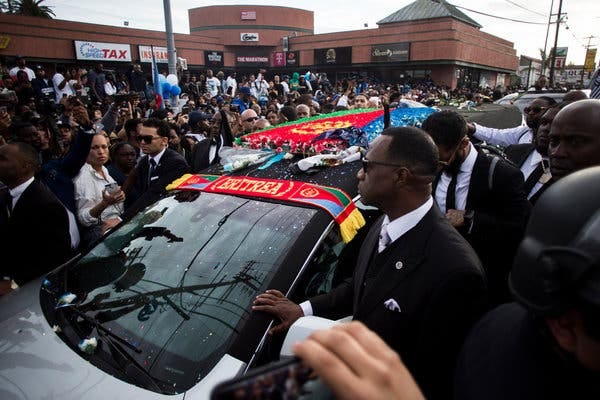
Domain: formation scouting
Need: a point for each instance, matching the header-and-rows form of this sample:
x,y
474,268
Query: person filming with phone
x,y
98,198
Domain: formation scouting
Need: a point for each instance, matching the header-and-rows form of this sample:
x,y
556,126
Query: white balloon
x,y
172,79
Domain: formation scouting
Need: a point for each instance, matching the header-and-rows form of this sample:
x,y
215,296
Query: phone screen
x,y
288,379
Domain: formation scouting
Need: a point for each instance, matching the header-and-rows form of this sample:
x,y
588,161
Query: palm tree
x,y
7,6
33,8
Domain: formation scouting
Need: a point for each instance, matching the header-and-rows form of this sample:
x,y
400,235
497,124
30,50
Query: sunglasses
x,y
535,110
366,163
251,119
147,138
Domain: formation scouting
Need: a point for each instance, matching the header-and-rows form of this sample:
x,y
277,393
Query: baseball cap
x,y
245,90
197,116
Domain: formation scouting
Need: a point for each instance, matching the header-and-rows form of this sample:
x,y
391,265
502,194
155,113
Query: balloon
x,y
175,90
166,88
172,79
161,78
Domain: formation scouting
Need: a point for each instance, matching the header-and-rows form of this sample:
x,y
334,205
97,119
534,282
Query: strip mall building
x,y
426,38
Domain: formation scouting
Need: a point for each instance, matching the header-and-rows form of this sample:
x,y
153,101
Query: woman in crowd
x,y
98,197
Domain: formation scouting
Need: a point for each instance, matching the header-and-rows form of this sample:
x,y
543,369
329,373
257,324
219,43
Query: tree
x,y
31,8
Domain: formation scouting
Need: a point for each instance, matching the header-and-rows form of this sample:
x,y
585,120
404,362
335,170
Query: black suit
x,y
438,283
39,226
201,154
170,167
500,216
518,154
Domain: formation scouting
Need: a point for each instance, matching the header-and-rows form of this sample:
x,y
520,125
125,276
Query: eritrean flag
x,y
300,133
335,201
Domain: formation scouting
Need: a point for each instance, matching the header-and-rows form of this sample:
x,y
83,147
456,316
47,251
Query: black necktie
x,y
9,204
152,169
534,177
451,194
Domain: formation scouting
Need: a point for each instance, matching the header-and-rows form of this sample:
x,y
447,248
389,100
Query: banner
x,y
333,56
335,201
160,54
213,58
97,51
278,59
590,58
292,58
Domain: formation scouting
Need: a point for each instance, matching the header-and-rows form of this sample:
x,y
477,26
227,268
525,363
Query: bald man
x,y
248,118
575,138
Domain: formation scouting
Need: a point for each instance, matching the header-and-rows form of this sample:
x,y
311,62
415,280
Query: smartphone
x,y
111,187
288,379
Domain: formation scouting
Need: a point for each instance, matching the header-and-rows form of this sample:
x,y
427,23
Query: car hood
x,y
36,364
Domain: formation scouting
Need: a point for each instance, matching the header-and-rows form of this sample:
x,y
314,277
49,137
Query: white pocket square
x,y
392,305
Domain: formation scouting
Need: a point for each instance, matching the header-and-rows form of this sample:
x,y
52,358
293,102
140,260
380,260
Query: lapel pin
x,y
399,265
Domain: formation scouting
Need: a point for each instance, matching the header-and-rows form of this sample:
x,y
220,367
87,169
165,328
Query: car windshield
x,y
177,281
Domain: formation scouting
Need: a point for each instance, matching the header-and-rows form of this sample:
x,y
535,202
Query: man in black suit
x,y
206,152
481,195
417,282
159,167
532,158
31,219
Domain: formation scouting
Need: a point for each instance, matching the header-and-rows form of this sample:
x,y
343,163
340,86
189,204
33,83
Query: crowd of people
x,y
457,241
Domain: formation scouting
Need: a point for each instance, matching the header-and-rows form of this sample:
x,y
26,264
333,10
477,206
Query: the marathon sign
x,y
160,54
249,37
252,60
96,51
333,56
390,52
213,58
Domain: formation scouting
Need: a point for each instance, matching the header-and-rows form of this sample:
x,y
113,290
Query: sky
x,y
582,18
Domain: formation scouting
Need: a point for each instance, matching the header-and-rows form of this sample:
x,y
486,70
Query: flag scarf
x,y
333,200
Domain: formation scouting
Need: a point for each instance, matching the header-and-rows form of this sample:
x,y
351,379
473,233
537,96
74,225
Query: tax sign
x,y
97,51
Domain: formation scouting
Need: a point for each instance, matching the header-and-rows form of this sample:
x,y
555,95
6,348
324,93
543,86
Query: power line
x,y
525,8
503,18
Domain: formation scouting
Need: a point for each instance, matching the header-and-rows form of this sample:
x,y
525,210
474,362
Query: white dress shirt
x,y
529,166
504,137
463,179
395,230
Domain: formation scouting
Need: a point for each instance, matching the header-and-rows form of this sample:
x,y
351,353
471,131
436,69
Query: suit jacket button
x,y
399,265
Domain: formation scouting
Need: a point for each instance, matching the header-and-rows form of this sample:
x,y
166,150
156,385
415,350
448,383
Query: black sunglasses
x,y
147,138
251,119
366,163
535,109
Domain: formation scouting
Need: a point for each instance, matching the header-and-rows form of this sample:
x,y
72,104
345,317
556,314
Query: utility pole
x,y
558,21
545,60
171,51
589,38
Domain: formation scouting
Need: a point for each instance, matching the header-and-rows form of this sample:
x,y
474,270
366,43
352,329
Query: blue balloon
x,y
161,78
175,90
166,88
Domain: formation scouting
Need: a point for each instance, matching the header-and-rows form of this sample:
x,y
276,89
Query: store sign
x,y
333,56
97,51
390,52
160,54
278,59
213,58
252,60
4,41
559,62
590,58
249,37
248,15
292,58
283,59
